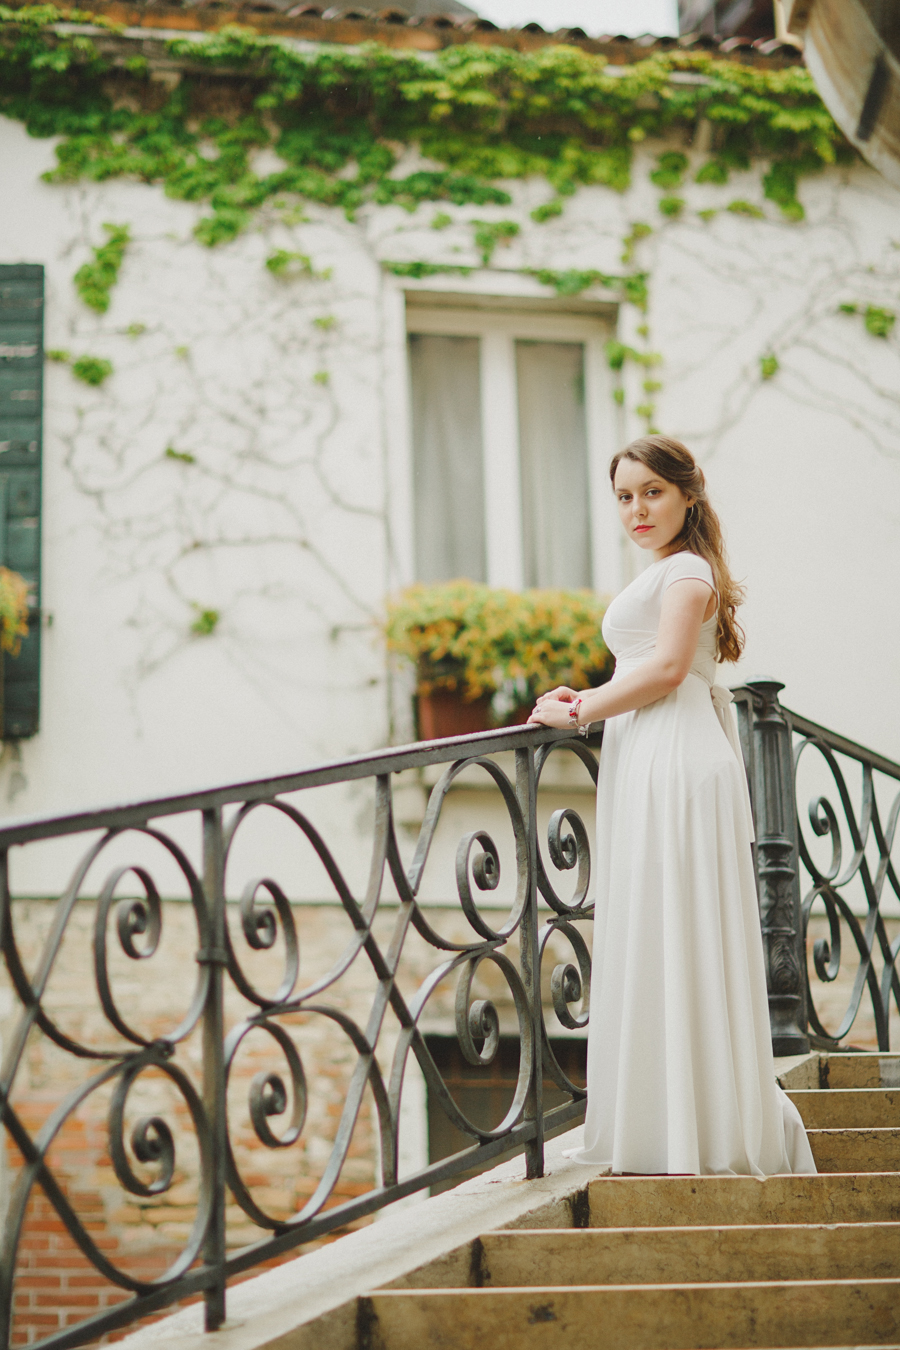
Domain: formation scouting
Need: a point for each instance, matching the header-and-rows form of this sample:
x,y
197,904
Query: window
x,y
485,1094
511,435
21,371
449,462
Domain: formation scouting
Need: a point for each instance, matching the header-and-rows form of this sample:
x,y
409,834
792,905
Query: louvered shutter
x,y
21,404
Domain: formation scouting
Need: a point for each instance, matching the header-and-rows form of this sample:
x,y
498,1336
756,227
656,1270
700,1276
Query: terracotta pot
x,y
446,713
519,716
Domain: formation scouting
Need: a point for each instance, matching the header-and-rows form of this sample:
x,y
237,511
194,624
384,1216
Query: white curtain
x,y
556,528
447,464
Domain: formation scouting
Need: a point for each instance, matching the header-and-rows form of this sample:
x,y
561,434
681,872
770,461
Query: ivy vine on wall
x,y
95,279
341,118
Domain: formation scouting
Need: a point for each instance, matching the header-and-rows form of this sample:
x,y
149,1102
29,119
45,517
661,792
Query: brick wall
x,y
57,1286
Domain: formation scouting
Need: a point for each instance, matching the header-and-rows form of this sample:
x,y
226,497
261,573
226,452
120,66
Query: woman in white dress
x,y
680,1073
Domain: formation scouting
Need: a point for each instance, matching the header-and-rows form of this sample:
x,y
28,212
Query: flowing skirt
x,y
681,1077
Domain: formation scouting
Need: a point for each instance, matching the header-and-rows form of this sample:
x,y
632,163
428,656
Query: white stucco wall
x,y
295,519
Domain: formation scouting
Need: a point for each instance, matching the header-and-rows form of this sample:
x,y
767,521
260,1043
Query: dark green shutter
x,y
21,402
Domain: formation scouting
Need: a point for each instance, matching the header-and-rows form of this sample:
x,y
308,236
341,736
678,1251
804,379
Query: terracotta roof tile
x,y
396,26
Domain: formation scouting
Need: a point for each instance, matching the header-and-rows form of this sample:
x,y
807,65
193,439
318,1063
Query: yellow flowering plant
x,y
482,641
13,611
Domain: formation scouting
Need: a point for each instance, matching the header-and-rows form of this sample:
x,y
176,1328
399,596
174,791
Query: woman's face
x,y
651,509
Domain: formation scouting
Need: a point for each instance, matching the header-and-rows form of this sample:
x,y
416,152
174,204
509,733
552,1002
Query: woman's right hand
x,y
562,694
543,712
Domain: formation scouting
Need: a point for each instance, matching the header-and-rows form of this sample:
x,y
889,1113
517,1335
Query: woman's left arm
x,y
683,607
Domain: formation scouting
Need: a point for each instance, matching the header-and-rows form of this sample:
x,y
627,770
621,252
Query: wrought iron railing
x,y
124,893
799,776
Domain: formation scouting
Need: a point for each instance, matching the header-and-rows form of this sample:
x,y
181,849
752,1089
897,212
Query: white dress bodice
x,y
631,622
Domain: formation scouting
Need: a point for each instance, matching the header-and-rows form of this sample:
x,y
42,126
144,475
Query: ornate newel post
x,y
766,738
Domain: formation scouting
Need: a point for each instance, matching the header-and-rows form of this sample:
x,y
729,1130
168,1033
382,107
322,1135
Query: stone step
x,y
637,1317
653,1202
854,1108
876,1150
870,1070
567,1256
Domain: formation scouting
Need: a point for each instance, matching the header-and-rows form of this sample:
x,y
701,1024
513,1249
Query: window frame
x,y
499,325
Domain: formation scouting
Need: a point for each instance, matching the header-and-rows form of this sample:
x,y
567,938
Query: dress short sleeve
x,y
688,566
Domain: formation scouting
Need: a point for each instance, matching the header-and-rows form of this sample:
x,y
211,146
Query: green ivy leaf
x,y
418,270
490,233
283,263
91,369
94,280
715,170
742,208
616,354
639,230
671,167
222,227
206,622
879,322
547,211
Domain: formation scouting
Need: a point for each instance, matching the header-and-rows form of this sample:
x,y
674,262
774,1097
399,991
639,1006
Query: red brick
x,y
46,1225
31,1249
63,1261
67,1299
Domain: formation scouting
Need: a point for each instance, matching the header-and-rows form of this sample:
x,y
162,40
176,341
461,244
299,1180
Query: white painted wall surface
x,y
295,520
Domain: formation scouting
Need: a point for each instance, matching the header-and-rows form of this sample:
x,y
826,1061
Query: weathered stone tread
x,y
863,1150
746,1316
514,1258
655,1202
852,1108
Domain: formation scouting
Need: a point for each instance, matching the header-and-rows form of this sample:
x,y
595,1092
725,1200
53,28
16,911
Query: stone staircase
x,y
654,1263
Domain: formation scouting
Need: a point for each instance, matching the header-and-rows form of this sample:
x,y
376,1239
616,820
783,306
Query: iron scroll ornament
x,y
830,883
129,925
151,1138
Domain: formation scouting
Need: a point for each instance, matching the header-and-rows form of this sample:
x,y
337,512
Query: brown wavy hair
x,y
701,533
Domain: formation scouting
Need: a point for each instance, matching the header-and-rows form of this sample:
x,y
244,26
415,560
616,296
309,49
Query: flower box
x,y
444,712
483,655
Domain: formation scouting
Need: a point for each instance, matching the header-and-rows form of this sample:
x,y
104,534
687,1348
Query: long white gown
x,y
680,1071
